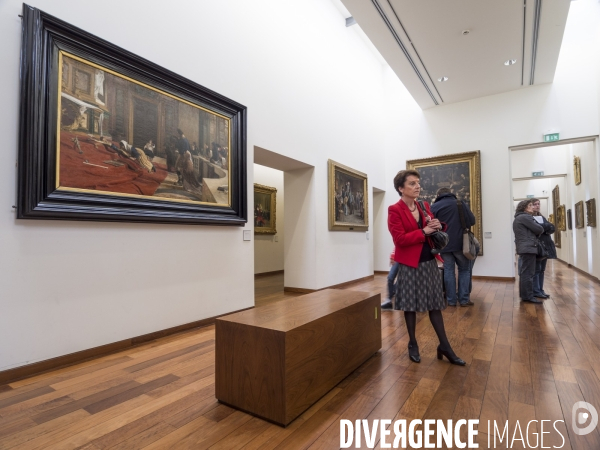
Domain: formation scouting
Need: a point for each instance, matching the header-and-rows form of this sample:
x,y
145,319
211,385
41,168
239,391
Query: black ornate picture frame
x,y
106,135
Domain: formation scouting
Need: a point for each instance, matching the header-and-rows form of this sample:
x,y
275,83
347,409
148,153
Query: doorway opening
x,y
276,232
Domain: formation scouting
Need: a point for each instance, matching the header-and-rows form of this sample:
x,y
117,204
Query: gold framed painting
x,y
555,205
577,169
348,198
590,210
461,173
579,223
551,219
561,218
265,209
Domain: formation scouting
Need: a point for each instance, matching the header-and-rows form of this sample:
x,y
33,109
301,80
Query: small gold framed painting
x,y
265,209
579,223
577,169
348,198
561,218
590,209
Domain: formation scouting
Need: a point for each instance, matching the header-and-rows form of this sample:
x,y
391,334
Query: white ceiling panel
x,y
423,40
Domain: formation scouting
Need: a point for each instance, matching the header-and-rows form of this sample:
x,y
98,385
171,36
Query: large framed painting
x,y
348,198
579,222
555,206
107,135
461,173
265,209
590,211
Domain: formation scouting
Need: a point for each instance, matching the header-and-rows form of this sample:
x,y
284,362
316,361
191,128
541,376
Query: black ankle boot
x,y
413,353
451,357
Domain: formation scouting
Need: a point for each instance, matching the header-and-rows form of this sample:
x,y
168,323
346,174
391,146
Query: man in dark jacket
x,y
540,266
446,210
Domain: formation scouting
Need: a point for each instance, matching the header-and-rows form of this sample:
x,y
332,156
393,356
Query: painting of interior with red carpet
x,y
120,136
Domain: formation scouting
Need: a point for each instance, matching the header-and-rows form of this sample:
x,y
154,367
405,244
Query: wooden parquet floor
x,y
525,362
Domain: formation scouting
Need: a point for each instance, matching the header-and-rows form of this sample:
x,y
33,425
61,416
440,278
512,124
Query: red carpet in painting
x,y
131,178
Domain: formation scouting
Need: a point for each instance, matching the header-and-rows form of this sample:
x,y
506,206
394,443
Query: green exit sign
x,y
551,137
530,195
537,174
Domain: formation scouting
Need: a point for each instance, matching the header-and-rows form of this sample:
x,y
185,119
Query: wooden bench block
x,y
275,361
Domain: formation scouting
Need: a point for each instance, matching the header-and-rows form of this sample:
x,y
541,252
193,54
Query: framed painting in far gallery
x,y
569,220
577,169
108,136
265,209
461,173
348,198
561,218
590,211
579,220
555,205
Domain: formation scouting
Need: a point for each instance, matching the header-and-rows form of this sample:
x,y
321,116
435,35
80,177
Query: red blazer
x,y
408,237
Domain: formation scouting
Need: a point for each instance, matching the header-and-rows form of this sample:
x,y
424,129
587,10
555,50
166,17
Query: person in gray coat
x,y
526,231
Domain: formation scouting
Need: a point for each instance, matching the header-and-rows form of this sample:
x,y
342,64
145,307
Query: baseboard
x,y
485,278
381,272
335,286
18,373
300,290
265,274
582,272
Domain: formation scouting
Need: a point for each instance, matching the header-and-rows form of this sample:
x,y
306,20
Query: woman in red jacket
x,y
419,285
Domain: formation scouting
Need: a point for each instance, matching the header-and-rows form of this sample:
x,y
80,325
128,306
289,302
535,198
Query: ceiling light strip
x,y
534,41
415,49
523,47
401,45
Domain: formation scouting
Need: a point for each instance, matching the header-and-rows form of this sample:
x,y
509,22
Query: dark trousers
x,y
538,278
526,273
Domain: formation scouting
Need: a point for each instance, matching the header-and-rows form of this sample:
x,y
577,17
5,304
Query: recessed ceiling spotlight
x,y
510,62
442,79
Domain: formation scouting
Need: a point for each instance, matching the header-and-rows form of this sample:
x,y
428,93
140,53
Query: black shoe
x,y
413,353
451,304
547,295
387,305
531,300
451,357
469,303
541,296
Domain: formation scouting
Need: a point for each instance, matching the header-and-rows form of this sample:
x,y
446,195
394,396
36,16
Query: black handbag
x,y
438,240
542,250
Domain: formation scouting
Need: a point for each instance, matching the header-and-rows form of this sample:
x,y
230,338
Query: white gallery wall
x,y
493,124
585,243
268,248
313,90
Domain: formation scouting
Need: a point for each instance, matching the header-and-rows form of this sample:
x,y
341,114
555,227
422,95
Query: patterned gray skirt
x,y
420,289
